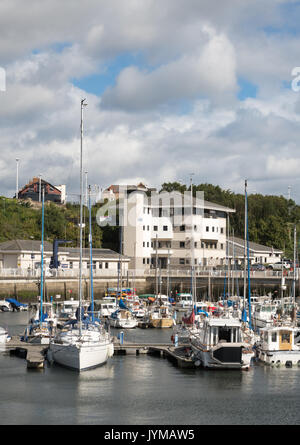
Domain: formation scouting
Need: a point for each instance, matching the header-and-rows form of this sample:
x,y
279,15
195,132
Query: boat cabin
x,y
279,338
184,300
221,331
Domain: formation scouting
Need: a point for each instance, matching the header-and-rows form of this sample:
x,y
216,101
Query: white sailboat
x,y
42,324
86,344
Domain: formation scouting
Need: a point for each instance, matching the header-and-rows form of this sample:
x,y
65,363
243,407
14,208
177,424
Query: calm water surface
x,y
143,390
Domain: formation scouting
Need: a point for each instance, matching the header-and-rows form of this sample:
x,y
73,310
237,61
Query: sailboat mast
x,y
248,259
80,231
91,254
245,246
42,259
192,246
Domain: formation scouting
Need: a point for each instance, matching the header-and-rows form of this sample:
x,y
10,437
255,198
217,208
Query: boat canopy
x,y
15,302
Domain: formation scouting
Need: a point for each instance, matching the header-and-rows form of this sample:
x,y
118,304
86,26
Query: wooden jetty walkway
x,y
35,354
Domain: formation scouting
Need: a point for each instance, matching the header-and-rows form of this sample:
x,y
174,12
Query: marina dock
x,y
35,354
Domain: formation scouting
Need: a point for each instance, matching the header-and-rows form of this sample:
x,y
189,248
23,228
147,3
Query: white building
x,y
161,228
257,252
26,255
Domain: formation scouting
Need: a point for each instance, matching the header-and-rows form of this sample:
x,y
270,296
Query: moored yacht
x,y
220,344
161,317
264,315
123,318
81,349
279,344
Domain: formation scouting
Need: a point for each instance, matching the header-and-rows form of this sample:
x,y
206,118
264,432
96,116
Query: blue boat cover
x,y
15,302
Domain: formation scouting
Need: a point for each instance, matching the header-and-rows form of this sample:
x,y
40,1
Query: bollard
x,y
121,337
176,340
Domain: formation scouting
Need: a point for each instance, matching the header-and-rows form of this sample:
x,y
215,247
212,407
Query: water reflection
x,y
144,390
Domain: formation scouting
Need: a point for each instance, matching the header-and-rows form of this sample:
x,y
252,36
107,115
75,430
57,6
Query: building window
x,y
148,227
148,260
144,227
207,228
100,265
155,228
144,260
222,246
213,229
143,243
71,265
165,228
106,265
181,261
148,244
182,228
195,244
182,244
222,230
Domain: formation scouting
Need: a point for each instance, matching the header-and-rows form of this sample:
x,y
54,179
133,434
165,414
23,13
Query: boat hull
x,y
232,357
161,322
277,358
3,336
80,357
123,324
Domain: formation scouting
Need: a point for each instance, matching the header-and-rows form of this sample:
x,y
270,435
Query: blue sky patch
x,y
247,89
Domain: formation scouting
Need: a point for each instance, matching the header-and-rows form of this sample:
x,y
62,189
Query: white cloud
x,y
175,114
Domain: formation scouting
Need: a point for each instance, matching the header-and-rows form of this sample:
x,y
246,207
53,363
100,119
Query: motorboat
x,y
184,301
220,344
264,315
161,317
5,306
123,318
279,345
106,306
66,310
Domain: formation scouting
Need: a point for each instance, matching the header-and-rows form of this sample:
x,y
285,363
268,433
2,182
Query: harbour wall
x,y
27,289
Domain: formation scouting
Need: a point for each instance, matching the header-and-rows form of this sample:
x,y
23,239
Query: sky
x,y
173,87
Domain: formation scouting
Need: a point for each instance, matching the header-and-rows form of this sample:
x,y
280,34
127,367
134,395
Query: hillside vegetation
x,y
271,219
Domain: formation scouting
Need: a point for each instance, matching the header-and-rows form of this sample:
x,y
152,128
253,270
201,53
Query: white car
x,y
278,266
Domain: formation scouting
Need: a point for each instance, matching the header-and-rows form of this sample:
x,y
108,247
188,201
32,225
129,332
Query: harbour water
x,y
143,390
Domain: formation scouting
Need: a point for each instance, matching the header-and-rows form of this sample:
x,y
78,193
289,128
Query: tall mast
x,y
192,245
91,254
245,246
248,260
295,265
228,257
80,200
42,259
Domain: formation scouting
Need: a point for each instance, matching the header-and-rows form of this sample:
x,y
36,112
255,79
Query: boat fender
x,y
50,357
197,363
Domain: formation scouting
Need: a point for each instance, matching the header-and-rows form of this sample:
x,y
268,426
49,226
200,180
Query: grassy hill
x,y
271,219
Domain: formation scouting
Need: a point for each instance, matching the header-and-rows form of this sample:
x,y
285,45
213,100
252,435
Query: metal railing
x,y
102,273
